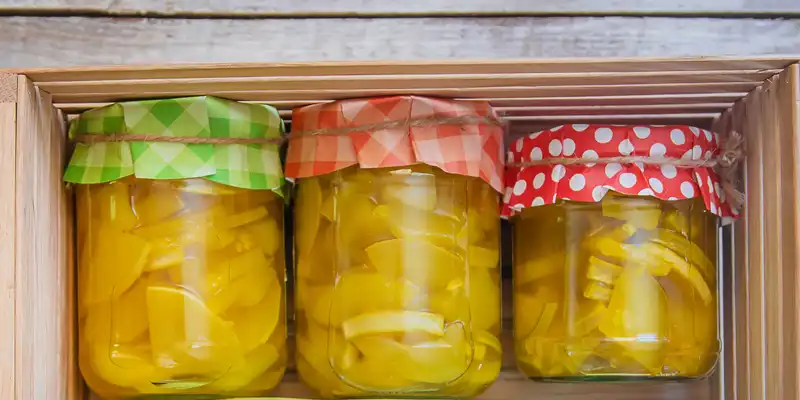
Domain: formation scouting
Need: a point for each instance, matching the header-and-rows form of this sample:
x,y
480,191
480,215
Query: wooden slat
x,y
648,118
485,92
381,8
632,100
520,111
764,360
732,295
8,129
510,66
43,313
42,41
501,104
158,87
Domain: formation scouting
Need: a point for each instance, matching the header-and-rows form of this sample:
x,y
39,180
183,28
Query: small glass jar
x,y
181,285
616,277
398,281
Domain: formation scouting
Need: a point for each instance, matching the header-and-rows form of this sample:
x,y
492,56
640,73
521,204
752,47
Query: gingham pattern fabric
x,y
472,149
250,166
537,185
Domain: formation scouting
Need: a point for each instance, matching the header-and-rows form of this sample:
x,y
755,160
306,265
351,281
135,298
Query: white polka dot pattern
x,y
558,173
538,181
627,180
543,184
577,182
603,135
555,148
626,147
569,147
658,150
519,188
642,132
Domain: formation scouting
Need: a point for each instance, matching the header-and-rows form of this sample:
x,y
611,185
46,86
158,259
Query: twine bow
x,y
726,164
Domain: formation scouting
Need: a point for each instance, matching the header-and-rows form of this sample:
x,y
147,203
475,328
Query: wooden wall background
x,y
89,32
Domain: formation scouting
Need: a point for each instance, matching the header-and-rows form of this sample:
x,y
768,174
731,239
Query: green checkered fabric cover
x,y
249,166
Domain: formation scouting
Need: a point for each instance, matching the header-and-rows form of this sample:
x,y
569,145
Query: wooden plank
x,y
501,104
768,252
603,112
731,248
504,66
484,92
612,110
42,41
161,87
382,8
43,331
8,129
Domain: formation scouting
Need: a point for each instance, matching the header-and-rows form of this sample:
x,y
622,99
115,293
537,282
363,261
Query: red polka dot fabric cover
x,y
536,185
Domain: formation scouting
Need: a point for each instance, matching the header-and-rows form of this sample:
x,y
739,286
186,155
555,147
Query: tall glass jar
x,y
397,266
180,279
615,270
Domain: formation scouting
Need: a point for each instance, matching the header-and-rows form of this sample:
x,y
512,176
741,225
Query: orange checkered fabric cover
x,y
471,149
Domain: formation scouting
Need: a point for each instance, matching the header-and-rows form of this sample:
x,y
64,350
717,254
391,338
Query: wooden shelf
x,y
757,97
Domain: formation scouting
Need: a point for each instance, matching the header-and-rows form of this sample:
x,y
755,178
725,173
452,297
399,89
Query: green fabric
x,y
249,166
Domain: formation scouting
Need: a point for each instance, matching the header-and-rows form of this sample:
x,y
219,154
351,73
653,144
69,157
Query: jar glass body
x,y
398,283
619,289
180,288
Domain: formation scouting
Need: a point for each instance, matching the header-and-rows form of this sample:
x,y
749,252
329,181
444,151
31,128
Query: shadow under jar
x,y
615,274
180,281
398,279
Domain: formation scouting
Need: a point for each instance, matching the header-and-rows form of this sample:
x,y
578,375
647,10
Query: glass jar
x,y
180,288
623,287
398,286
181,282
396,252
615,273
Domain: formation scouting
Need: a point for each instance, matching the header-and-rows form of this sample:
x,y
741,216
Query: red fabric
x,y
467,149
545,184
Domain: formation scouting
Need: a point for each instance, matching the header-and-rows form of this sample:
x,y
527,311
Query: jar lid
x,y
459,137
206,137
669,162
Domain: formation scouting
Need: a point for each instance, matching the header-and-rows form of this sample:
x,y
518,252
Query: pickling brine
x,y
622,287
180,288
398,282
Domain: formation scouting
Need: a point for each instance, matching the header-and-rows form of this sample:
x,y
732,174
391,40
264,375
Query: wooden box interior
x,y
759,254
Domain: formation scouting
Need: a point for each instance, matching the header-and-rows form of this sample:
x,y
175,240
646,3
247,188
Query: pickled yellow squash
x,y
398,287
180,288
622,287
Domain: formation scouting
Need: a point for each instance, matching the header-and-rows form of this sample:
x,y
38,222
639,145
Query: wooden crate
x,y
760,253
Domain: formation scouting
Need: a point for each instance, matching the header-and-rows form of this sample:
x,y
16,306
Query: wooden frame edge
x,y
762,314
45,351
8,131
8,87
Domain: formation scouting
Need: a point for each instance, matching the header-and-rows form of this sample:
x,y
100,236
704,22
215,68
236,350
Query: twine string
x,y
395,124
121,138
